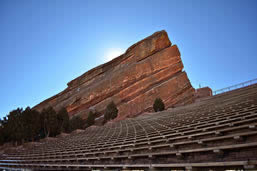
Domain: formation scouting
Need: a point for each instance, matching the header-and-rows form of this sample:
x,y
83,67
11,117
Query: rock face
x,y
148,69
203,92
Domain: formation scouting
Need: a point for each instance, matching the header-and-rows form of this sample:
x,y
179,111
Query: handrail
x,y
230,88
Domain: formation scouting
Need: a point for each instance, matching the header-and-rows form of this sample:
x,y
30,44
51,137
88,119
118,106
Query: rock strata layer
x,y
148,69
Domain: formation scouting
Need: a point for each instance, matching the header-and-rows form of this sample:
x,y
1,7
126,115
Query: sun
x,y
112,53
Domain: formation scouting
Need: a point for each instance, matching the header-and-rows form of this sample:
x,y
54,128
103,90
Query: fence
x,y
240,85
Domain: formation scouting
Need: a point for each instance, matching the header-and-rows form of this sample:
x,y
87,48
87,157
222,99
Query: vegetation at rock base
x,y
49,122
31,120
63,121
91,118
158,105
29,125
111,112
76,123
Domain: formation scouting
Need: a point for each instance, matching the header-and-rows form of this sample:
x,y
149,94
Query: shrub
x,y
91,118
63,120
158,105
76,123
111,111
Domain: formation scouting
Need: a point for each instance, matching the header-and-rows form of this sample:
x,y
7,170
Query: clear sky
x,y
46,43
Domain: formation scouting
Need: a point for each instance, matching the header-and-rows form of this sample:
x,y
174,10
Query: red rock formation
x,y
203,92
149,69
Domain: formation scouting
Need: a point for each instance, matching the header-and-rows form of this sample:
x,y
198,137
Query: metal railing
x,y
230,88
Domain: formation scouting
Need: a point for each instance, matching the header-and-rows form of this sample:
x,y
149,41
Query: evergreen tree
x,y
20,125
5,137
15,126
50,122
76,123
2,132
111,111
91,118
158,105
31,119
63,121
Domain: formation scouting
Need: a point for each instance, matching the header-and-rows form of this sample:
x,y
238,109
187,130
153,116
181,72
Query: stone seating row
x,y
165,139
223,126
148,138
184,166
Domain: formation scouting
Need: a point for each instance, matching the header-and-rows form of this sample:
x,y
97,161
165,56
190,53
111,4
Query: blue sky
x,y
46,43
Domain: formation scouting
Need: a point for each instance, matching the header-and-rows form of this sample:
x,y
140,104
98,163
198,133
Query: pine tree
x,y
76,123
31,119
2,132
111,111
158,105
91,118
50,122
15,126
63,121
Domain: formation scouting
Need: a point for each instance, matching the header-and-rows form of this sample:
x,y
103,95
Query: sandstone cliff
x,y
148,69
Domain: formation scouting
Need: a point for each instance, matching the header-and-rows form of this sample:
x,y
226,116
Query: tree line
x,y
27,125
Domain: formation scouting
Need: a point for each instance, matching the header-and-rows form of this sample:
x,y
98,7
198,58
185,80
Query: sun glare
x,y
112,53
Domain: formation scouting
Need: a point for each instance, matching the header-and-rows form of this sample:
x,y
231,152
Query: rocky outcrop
x,y
203,93
149,69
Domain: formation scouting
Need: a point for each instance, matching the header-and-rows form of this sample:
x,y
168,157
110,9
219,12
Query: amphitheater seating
x,y
219,132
